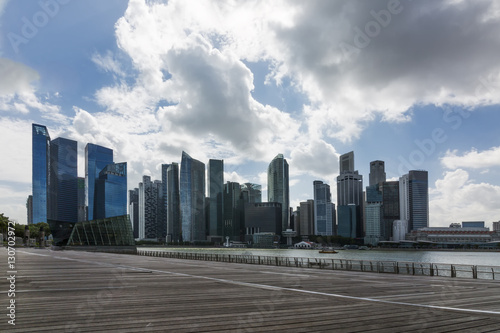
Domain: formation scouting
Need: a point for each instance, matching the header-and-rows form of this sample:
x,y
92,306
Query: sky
x,y
413,83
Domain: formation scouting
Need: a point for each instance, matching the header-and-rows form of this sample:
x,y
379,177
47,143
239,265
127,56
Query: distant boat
x,y
327,251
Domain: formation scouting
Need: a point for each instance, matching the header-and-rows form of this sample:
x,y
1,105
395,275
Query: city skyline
x,y
311,83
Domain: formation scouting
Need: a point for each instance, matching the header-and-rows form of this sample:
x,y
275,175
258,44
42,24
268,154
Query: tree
x,y
4,222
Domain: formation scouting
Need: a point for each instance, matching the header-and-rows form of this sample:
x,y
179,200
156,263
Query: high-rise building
x,y
496,226
134,210
349,192
110,197
251,193
262,217
233,210
192,199
373,214
307,218
322,209
40,175
173,204
63,181
377,172
150,219
390,208
96,159
29,209
82,209
414,199
278,187
215,196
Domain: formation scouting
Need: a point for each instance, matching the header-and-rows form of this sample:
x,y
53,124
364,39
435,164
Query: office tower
x,y
40,175
29,209
63,181
377,172
349,193
82,209
390,208
322,209
192,199
96,159
414,199
307,218
233,209
262,217
134,210
110,197
251,193
150,219
296,221
215,197
173,204
278,186
373,214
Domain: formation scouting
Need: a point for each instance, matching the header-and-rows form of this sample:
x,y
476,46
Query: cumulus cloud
x,y
19,154
456,198
473,159
305,158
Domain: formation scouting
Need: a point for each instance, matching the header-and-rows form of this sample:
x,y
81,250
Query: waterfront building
x,y
373,214
414,199
150,219
40,171
233,223
496,226
96,159
349,193
173,205
192,199
307,218
454,236
278,187
110,195
63,181
322,209
215,197
134,211
390,208
262,217
399,230
377,172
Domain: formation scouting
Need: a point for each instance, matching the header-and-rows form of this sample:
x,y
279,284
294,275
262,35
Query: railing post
x,y
431,270
474,272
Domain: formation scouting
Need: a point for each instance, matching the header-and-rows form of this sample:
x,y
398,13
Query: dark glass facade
x,y
82,209
113,231
192,198
110,193
278,187
134,210
322,209
390,208
377,172
419,199
63,184
215,188
173,207
349,221
262,217
233,210
40,174
251,193
96,159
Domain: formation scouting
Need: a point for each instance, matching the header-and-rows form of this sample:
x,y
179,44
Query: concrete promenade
x,y
70,291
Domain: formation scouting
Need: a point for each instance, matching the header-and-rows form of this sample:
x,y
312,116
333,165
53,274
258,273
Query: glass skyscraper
x,y
134,210
192,199
251,193
111,191
323,222
414,199
96,159
63,181
349,192
40,175
173,204
215,189
278,187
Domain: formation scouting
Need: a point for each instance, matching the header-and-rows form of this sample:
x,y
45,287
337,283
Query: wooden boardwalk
x,y
69,291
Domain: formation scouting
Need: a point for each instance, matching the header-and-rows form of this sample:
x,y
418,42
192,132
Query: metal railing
x,y
389,267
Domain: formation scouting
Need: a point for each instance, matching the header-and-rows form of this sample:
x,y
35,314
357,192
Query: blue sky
x,y
412,83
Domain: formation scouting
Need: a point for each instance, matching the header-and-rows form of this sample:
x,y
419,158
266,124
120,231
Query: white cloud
x,y
473,159
108,63
316,158
18,154
455,198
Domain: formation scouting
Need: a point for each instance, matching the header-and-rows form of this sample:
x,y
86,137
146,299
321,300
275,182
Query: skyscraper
x,y
349,193
29,209
307,218
173,204
390,209
233,209
373,213
150,194
251,193
215,190
414,199
322,209
40,175
111,191
134,210
192,199
278,187
377,172
63,181
96,159
81,200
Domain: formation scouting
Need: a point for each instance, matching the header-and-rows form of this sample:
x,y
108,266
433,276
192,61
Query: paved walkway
x,y
69,291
